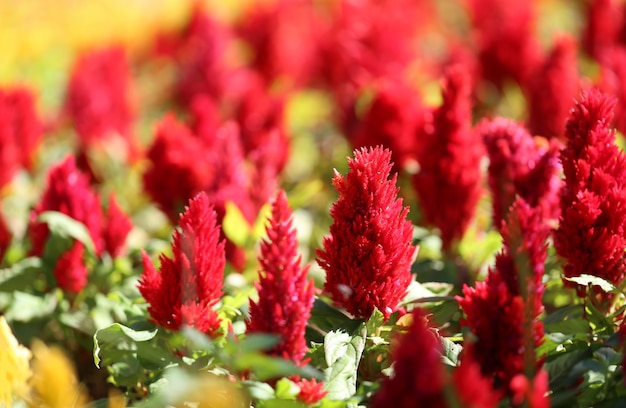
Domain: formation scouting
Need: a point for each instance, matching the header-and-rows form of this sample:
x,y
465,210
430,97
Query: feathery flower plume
x,y
502,311
591,235
188,285
520,165
368,254
552,88
613,81
448,182
285,292
20,131
117,225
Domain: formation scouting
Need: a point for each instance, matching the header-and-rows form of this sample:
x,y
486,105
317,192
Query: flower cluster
x,y
368,255
68,191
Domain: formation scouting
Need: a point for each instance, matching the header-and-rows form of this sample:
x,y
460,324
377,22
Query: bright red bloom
x,y
520,165
504,35
502,311
99,97
117,225
285,292
67,191
20,131
70,271
448,181
188,285
368,254
311,391
591,235
536,394
392,120
552,89
419,376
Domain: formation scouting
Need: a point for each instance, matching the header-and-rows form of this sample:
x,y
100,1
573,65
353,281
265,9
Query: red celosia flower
x,y
98,97
70,271
311,391
605,22
419,376
117,225
504,34
285,292
368,255
593,217
392,120
276,31
552,89
188,285
535,393
448,182
20,131
67,191
520,165
502,311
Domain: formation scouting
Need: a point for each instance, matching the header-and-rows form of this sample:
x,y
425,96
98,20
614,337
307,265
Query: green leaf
x,y
235,226
325,318
259,390
560,365
286,389
119,341
258,342
65,226
21,275
25,307
569,326
374,322
586,280
451,352
343,353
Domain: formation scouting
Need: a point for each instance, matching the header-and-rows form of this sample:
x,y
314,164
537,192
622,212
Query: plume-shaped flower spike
x,y
285,293
591,235
368,255
190,283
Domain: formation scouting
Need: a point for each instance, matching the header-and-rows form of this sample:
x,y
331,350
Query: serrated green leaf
x,y
586,280
65,226
343,353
